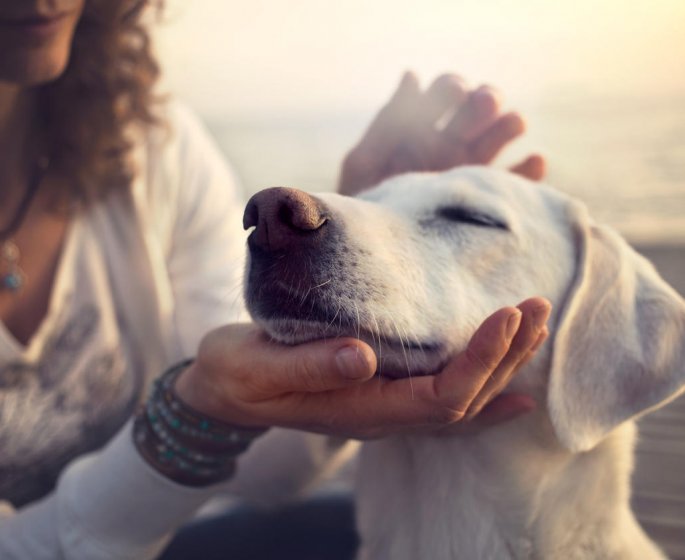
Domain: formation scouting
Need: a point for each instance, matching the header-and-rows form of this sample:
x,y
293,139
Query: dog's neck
x,y
496,495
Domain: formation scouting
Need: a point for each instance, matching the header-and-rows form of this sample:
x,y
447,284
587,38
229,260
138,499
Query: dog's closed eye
x,y
470,216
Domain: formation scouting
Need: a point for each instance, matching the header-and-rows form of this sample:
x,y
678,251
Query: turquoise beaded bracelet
x,y
182,443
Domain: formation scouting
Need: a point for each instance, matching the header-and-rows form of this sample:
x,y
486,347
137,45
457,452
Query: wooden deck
x,y
659,478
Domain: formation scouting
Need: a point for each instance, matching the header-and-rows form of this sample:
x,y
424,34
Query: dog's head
x,y
414,265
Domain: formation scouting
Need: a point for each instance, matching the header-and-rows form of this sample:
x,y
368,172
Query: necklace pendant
x,y
13,281
13,278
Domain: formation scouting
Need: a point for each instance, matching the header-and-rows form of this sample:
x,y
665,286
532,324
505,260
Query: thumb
x,y
318,366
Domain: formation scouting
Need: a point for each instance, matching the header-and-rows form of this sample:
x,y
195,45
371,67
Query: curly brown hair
x,y
107,87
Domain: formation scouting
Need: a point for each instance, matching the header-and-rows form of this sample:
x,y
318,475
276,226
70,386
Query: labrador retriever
x,y
412,267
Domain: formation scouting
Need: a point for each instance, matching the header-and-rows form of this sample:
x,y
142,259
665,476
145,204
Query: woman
x,y
121,250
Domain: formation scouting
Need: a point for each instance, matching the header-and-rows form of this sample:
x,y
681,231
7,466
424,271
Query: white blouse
x,y
141,279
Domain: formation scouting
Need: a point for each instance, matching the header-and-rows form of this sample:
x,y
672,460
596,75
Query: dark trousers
x,y
317,529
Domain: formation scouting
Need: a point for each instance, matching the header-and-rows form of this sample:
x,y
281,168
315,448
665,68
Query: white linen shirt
x,y
141,279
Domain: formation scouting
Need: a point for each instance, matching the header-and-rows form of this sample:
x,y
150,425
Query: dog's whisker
x,y
359,323
309,289
233,298
330,323
377,331
304,297
405,349
421,348
406,356
323,284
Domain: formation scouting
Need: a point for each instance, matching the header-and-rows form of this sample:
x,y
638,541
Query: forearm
x,y
107,505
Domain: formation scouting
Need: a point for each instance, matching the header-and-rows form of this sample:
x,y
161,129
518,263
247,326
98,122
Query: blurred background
x,y
287,86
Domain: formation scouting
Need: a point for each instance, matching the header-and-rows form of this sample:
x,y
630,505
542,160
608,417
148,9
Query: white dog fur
x,y
553,484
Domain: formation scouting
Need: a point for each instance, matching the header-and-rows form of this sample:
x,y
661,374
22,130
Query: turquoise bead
x,y
11,281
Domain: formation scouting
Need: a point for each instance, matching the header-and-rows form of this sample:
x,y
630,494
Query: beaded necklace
x,y
12,277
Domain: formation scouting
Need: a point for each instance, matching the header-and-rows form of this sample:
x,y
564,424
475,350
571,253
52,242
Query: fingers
x,y
486,349
466,385
486,146
409,118
407,134
396,114
243,378
240,376
311,368
476,114
417,147
474,131
533,349
242,360
407,92
445,95
535,313
437,400
533,168
369,161
502,408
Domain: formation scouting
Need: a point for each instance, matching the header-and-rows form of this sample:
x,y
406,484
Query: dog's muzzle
x,y
293,247
304,283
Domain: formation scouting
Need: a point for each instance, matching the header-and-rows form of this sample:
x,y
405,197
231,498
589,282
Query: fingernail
x,y
540,316
515,123
486,97
541,338
352,362
513,324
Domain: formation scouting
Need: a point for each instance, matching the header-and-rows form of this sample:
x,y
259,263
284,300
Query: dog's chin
x,y
395,358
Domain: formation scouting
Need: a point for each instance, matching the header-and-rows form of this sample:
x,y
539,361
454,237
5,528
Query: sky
x,y
232,58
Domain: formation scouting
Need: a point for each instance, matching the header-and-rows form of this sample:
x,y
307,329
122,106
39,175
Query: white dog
x,y
412,267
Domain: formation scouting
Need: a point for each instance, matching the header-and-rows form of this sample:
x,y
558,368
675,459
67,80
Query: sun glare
x,y
229,56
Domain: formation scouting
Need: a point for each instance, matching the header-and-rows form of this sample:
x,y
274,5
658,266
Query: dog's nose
x,y
282,217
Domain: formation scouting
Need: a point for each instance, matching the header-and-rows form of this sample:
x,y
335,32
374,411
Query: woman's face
x,y
35,39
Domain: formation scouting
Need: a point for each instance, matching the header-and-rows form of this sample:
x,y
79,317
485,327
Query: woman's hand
x,y
445,126
241,377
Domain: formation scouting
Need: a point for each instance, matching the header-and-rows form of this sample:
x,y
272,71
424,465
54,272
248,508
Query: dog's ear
x,y
619,349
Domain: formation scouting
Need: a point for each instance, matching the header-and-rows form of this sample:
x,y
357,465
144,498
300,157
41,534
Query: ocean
x,y
625,157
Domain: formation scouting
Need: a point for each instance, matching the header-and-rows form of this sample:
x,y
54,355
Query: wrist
x,y
192,389
183,444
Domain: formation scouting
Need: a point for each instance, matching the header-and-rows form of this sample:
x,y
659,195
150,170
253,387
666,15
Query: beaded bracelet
x,y
184,444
